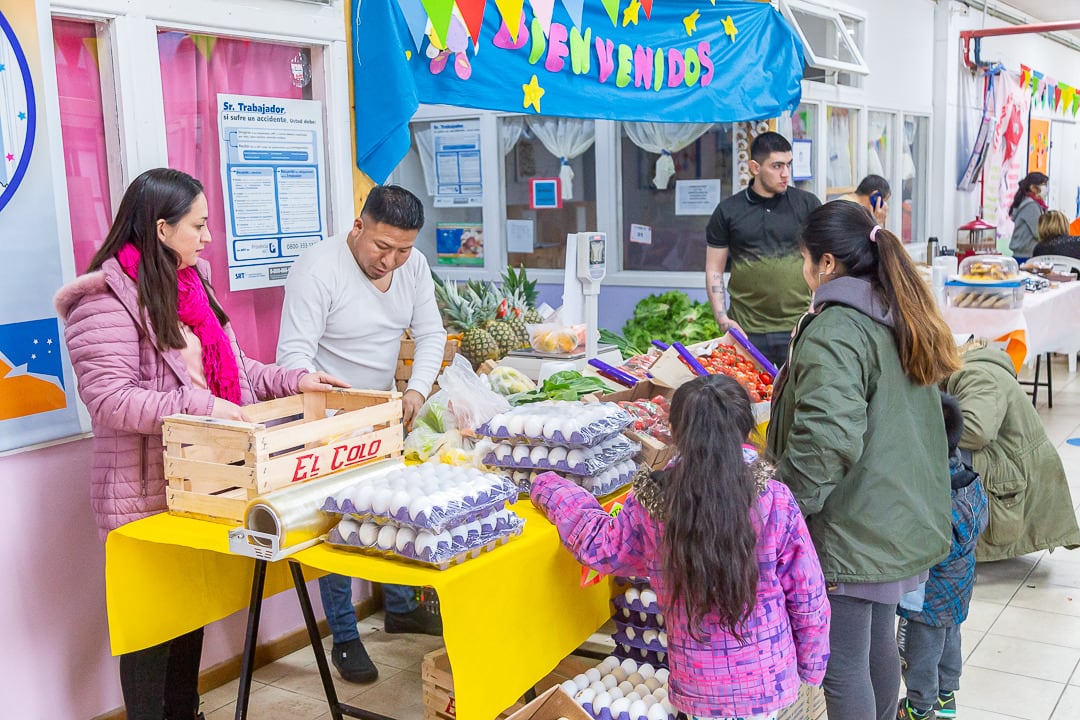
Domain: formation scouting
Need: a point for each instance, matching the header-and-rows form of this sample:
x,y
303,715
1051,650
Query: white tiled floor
x,y
1021,639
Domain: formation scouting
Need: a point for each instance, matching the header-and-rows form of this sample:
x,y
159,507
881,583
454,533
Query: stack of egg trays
x,y
503,526
607,481
587,436
637,618
594,460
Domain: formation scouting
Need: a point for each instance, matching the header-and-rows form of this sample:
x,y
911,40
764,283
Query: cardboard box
x,y
671,371
552,705
654,453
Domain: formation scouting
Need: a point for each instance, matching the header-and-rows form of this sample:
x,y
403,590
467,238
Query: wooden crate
x,y
216,467
809,706
439,683
403,371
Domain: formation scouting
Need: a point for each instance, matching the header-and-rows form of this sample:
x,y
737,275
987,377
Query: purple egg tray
x,y
436,519
443,557
596,484
621,638
597,459
589,435
635,606
606,714
656,659
639,627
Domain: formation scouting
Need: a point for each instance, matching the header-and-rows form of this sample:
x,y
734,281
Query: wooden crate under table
x,y
215,467
403,370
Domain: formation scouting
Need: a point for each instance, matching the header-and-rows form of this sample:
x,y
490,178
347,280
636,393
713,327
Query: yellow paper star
x,y
408,54
690,22
729,28
533,93
630,14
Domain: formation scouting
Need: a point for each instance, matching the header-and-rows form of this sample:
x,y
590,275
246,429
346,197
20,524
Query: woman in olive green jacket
x,y
857,434
1030,505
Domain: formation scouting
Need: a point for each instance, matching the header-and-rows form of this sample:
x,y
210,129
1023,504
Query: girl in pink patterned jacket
x,y
727,551
147,339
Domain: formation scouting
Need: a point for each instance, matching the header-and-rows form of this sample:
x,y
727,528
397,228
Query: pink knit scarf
x,y
193,308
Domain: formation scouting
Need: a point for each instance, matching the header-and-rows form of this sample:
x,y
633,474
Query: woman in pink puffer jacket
x,y
148,339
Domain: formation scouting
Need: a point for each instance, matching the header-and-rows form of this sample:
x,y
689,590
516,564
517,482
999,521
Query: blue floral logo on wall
x,y
17,113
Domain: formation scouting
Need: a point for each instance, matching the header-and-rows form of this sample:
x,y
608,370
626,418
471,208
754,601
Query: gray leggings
x,y
862,680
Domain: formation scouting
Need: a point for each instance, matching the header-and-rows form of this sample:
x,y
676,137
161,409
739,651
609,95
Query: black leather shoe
x,y
352,661
418,621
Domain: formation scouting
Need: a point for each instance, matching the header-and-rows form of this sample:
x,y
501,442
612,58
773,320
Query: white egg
x,y
444,539
660,693
644,616
380,500
521,454
581,681
387,535
649,636
556,455
619,707
538,455
598,687
570,426
570,688
534,427
361,497
420,507
615,693
638,709
515,424
649,701
626,687
551,426
642,690
602,701
424,542
593,674
405,536
633,696
662,637
608,663
584,696
668,707
634,678
657,712
619,674
661,657
369,534
631,633
646,670
575,459
628,666
648,597
609,681
631,595
460,533
660,620
652,683
399,503
503,452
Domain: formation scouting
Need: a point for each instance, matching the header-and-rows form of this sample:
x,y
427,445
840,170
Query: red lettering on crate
x,y
303,470
307,465
450,709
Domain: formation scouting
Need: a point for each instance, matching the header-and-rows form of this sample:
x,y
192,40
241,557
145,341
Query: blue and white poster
x,y
458,181
37,387
273,177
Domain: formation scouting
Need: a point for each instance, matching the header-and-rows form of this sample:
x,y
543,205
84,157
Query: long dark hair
x,y
1032,179
709,547
158,194
926,345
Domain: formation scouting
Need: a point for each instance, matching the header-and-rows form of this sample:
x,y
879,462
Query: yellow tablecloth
x,y
509,616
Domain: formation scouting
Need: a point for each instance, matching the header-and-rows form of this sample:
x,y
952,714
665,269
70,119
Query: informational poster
x,y
460,244
802,167
1038,145
274,180
37,386
520,236
696,197
457,164
641,234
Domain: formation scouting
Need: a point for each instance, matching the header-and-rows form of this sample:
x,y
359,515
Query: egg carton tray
x,y
436,519
596,459
621,603
606,714
658,645
587,435
595,484
656,659
440,559
654,622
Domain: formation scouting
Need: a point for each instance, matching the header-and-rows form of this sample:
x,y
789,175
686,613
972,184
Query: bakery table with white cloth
x,y
1048,321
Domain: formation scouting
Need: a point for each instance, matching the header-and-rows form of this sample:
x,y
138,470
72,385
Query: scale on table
x,y
586,267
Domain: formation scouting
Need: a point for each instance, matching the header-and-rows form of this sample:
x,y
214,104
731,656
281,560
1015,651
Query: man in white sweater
x,y
347,302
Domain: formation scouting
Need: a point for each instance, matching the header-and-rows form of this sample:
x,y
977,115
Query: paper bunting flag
x,y
472,12
1025,75
204,44
511,12
1067,95
542,10
1057,96
416,18
1076,104
439,12
646,5
612,7
574,9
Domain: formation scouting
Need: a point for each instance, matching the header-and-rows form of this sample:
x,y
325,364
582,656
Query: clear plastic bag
x,y
434,431
617,476
555,337
471,401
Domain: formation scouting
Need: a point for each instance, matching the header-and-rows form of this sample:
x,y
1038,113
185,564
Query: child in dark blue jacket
x,y
929,638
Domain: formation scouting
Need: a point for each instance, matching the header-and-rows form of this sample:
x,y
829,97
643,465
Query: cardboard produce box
x,y
554,704
654,453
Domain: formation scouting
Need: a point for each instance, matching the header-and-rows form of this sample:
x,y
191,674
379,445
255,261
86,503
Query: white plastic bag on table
x,y
434,430
469,398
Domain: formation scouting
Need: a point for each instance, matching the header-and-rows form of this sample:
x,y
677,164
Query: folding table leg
x,y
1049,381
337,709
251,637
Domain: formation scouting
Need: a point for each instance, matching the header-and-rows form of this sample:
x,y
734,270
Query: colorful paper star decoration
x,y
630,14
690,22
533,93
729,28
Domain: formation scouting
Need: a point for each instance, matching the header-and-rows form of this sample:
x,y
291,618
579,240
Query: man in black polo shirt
x,y
758,228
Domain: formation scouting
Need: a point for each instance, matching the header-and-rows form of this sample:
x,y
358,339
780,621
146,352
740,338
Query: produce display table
x,y
1045,323
509,616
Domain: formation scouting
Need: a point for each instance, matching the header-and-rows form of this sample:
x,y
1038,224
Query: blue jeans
x,y
336,592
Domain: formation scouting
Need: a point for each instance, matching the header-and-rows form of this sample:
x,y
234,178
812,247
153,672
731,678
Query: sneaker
x,y
352,661
905,711
417,621
945,707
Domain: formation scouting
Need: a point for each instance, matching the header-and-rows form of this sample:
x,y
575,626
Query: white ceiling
x,y
1049,10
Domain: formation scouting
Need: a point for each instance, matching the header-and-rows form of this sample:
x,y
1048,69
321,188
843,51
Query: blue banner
x,y
680,62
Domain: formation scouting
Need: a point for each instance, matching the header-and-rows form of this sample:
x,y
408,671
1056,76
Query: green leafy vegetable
x,y
566,385
670,317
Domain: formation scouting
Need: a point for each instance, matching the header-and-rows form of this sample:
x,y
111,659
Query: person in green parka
x,y
1030,505
858,436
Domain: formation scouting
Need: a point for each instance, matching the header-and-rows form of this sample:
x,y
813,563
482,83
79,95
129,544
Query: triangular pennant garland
x,y
542,11
574,9
439,12
416,18
646,5
511,11
472,11
204,44
612,7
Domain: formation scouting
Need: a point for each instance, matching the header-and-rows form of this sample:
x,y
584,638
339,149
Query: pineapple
x,y
519,281
462,312
487,299
513,307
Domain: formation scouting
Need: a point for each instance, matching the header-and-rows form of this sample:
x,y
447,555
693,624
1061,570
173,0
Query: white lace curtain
x,y
565,138
877,159
664,139
839,173
510,130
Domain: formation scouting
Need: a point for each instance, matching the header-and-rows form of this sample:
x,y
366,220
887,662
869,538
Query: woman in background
x,y
1027,206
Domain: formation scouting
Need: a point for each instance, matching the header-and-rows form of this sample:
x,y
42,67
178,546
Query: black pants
x,y
772,345
162,682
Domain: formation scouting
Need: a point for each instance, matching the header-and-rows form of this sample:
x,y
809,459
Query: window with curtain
x,y
914,174
702,160
803,122
194,69
549,148
879,144
843,129
82,125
